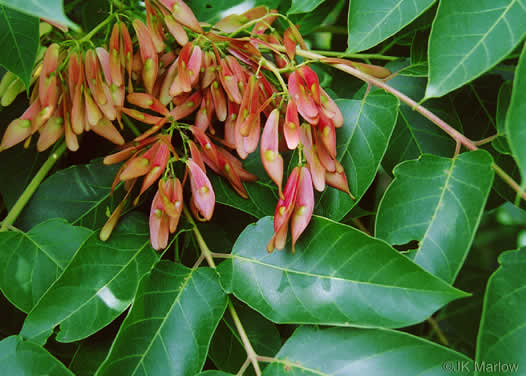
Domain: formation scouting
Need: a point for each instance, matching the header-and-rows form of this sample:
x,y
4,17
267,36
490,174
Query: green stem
x,y
343,54
32,187
275,70
486,140
239,326
244,366
438,331
200,240
244,338
96,29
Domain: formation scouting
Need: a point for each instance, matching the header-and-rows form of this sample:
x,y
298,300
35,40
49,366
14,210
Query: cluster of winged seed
x,y
204,97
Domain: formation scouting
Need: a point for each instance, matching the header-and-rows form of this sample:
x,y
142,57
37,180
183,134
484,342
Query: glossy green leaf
x,y
349,351
215,373
170,325
338,276
304,6
81,194
361,144
429,197
262,194
503,323
97,285
227,350
20,36
515,129
31,262
19,357
52,10
468,38
371,22
261,201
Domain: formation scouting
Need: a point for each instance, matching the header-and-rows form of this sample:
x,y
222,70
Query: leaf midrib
x,y
437,208
187,280
140,250
381,21
308,274
482,39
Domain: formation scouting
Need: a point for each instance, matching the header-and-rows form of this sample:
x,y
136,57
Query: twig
x,y
485,140
266,359
452,132
205,251
221,255
244,338
360,225
438,331
344,54
200,241
243,367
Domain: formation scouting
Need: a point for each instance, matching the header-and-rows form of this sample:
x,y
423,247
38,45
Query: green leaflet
x,y
361,144
438,202
312,351
19,357
170,325
99,283
370,22
81,194
262,194
18,34
468,38
338,276
32,261
503,323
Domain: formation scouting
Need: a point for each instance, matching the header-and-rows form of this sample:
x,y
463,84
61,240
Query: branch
x,y
200,240
244,338
438,331
452,132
